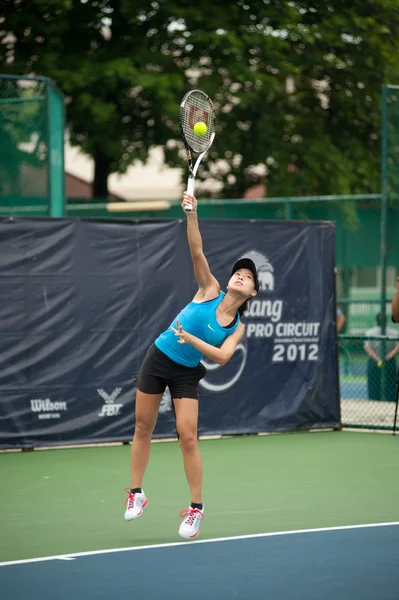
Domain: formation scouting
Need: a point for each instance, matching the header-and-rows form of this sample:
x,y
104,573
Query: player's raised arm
x,y
207,283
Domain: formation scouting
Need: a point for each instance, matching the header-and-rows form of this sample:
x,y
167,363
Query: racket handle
x,y
190,190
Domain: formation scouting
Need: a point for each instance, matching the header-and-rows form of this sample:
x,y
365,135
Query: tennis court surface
x,y
309,515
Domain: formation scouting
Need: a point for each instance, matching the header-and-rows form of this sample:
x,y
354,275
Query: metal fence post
x,y
383,227
287,210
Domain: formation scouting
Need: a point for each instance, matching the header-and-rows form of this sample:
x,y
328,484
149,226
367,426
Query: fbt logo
x,y
110,409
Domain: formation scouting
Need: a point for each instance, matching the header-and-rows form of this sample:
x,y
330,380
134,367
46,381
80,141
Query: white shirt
x,y
375,345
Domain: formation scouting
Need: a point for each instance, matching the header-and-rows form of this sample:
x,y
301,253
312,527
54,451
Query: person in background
x,y
373,349
340,319
395,304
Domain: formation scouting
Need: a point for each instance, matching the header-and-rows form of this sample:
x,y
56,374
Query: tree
x,y
310,103
117,105
296,84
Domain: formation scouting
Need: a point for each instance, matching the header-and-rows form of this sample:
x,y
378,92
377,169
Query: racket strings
x,y
197,108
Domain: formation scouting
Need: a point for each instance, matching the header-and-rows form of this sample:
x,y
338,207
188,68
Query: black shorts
x,y
158,371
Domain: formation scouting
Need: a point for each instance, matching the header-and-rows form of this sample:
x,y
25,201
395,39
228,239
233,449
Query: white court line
x,y
72,556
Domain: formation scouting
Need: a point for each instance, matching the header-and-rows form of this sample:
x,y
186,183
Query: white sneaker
x,y
135,505
189,529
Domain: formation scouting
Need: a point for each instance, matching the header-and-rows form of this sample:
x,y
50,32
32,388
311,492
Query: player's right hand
x,y
189,201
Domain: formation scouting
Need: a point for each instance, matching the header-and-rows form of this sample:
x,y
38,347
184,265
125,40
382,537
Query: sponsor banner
x,y
81,302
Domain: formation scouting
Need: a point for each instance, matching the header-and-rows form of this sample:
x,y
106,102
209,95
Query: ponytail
x,y
243,308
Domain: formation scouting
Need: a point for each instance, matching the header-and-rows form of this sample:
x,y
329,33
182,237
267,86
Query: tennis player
x,y
210,325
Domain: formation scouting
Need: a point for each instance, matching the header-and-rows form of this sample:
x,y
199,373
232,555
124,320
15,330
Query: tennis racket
x,y
196,107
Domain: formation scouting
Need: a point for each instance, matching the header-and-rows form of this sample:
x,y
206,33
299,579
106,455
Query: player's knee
x,y
187,440
143,428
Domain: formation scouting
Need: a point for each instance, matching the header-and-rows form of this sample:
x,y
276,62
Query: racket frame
x,y
194,169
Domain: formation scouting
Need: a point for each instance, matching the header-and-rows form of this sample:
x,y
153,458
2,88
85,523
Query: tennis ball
x,y
379,364
200,128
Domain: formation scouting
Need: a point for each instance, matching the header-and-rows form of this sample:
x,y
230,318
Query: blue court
x,y
348,563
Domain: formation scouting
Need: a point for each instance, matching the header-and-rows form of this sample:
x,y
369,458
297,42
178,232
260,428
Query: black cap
x,y
247,263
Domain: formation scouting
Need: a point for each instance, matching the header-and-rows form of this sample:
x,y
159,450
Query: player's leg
x,y
150,388
147,406
186,410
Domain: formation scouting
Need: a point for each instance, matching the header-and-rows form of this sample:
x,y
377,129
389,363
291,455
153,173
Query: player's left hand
x,y
180,333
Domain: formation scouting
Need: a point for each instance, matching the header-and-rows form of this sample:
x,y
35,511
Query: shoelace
x,y
130,500
191,514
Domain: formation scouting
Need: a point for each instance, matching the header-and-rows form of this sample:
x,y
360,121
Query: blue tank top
x,y
199,319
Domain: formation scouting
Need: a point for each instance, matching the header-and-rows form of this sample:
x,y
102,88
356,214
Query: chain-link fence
x,y
31,146
368,371
24,143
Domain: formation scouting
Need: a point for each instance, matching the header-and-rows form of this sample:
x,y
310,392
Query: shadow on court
x,y
345,564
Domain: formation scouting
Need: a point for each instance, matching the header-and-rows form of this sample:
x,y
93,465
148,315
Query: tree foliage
x,y
296,84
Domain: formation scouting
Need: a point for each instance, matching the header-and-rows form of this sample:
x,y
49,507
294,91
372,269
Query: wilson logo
x,y
197,114
39,405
